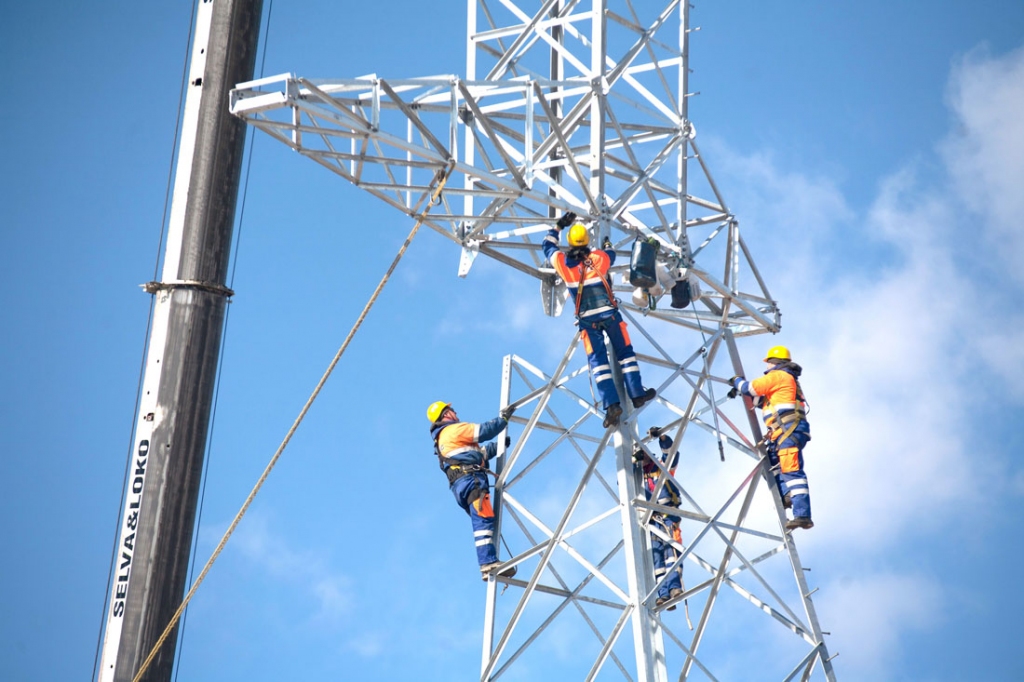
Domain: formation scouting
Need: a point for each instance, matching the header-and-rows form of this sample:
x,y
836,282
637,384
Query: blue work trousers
x,y
472,492
664,556
787,460
597,356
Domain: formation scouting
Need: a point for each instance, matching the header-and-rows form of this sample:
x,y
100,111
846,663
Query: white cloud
x,y
870,615
893,346
784,215
986,154
331,591
369,644
884,358
985,157
896,348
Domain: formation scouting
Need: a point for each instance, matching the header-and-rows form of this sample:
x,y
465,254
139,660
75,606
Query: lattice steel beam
x,y
581,105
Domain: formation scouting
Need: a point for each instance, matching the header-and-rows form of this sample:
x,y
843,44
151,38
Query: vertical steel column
x,y
188,319
647,639
684,115
555,71
497,466
470,148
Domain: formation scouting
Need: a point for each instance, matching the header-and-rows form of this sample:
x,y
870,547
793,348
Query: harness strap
x,y
584,268
792,419
789,431
456,471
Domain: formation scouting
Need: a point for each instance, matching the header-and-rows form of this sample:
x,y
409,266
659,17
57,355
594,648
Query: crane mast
x,y
191,297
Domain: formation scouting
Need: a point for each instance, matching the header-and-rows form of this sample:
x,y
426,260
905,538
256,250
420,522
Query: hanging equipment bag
x,y
681,294
641,263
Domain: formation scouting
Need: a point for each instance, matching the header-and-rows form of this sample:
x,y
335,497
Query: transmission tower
x,y
582,106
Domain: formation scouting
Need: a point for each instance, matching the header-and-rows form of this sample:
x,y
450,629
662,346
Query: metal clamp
x,y
211,287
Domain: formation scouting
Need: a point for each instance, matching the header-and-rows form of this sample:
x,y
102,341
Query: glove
x,y
508,441
654,431
566,220
606,244
732,381
638,456
507,412
732,393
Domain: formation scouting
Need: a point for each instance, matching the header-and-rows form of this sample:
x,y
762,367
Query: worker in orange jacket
x,y
784,411
585,273
462,453
664,554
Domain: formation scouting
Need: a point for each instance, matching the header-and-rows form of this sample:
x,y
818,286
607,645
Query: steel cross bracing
x,y
582,106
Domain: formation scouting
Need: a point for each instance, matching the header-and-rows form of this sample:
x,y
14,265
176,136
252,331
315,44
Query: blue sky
x,y
874,155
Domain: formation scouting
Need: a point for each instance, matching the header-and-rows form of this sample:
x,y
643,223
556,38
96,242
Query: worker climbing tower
x,y
581,105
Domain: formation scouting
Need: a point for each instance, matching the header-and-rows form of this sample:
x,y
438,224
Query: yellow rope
x,y
441,178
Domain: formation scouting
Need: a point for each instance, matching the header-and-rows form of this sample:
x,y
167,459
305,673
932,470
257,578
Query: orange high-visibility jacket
x,y
782,396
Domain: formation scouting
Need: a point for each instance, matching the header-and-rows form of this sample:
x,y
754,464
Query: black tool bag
x,y
642,261
682,294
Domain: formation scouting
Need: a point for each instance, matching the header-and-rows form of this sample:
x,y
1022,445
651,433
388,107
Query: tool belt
x,y
457,471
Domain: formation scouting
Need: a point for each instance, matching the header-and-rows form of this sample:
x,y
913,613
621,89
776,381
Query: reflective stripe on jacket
x,y
459,442
783,398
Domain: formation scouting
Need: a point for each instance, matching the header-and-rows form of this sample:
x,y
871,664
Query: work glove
x,y
508,441
732,393
606,244
638,455
566,220
507,412
654,431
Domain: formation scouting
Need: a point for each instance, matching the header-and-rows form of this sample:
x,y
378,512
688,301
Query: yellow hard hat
x,y
778,353
436,409
578,235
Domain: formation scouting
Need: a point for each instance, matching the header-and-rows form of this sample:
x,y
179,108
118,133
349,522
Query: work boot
x,y
661,601
611,417
674,593
800,522
647,397
487,569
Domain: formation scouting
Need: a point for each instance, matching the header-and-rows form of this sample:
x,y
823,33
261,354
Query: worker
x,y
464,461
585,273
664,554
784,410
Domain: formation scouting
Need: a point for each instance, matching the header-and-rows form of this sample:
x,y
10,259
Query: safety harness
x,y
455,469
584,268
796,412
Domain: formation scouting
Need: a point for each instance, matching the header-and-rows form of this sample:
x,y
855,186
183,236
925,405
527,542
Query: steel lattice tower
x,y
581,105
